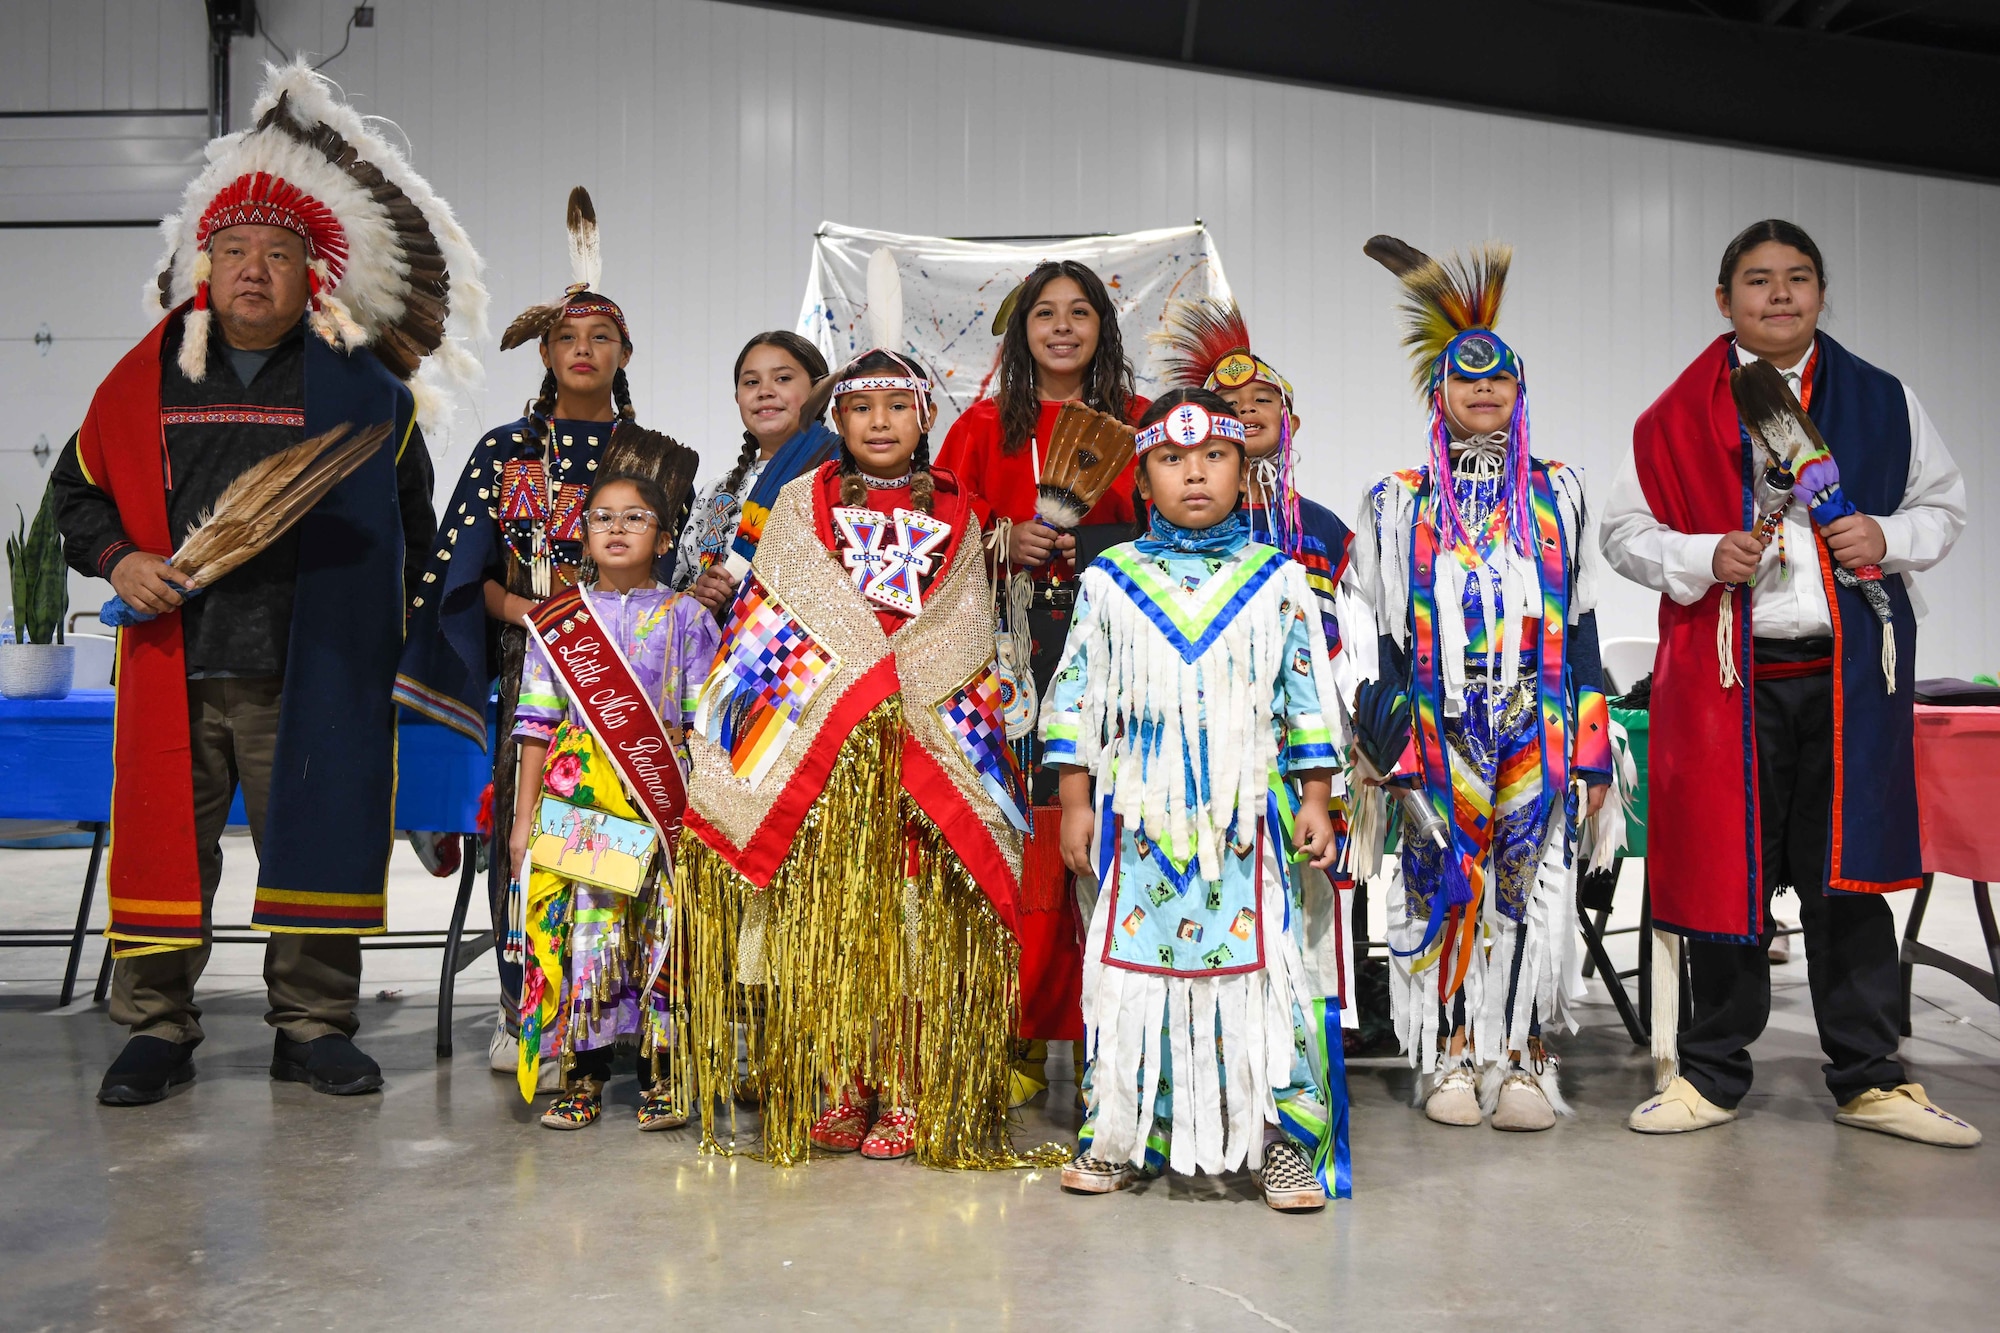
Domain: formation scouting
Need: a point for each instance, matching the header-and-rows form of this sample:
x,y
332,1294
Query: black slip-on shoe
x,y
146,1071
331,1064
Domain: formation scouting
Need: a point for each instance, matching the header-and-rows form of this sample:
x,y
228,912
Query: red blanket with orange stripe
x,y
328,824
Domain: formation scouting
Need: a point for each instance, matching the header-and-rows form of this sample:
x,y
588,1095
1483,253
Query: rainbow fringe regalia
x,y
1476,572
1190,688
1501,652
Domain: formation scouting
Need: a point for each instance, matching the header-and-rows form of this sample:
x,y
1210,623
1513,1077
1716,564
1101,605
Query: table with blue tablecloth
x,y
55,765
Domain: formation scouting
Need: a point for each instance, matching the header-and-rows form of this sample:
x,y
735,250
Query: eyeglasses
x,y
620,520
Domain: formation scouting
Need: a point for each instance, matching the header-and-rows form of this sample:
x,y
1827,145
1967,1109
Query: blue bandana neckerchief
x,y
1224,538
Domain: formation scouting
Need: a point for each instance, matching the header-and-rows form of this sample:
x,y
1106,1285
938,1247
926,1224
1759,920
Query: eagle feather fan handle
x,y
1087,451
259,507
1774,418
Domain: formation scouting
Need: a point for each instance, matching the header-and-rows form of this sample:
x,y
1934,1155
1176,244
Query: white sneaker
x,y
503,1056
503,1052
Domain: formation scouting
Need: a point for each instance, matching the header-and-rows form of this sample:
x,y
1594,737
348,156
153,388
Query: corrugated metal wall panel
x,y
716,136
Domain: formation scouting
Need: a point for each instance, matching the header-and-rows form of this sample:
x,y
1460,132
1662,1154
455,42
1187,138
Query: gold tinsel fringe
x,y
848,979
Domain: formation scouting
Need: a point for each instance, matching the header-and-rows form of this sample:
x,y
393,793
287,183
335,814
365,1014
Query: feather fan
x,y
258,508
1772,415
262,504
634,450
1087,452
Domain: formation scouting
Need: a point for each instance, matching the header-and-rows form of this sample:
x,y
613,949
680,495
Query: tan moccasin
x,y
1905,1112
1678,1110
1522,1106
1455,1099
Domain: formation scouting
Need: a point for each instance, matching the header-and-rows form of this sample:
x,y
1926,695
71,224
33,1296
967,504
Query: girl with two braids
x,y
513,534
853,831
775,375
1061,344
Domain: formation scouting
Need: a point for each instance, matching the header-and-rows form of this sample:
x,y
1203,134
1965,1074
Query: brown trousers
x,y
313,980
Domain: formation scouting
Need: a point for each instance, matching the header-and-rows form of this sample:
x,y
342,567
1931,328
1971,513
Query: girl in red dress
x,y
1061,345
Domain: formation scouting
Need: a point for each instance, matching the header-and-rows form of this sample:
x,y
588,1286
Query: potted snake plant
x,y
35,663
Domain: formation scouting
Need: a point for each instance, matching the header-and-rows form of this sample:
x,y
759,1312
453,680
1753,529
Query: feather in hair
x,y
529,326
885,302
1399,257
1443,298
1197,336
262,504
586,255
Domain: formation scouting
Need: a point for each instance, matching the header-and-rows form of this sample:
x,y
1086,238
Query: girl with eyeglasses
x,y
596,965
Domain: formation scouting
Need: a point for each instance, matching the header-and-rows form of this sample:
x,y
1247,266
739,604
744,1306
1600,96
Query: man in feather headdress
x,y
308,275
1781,752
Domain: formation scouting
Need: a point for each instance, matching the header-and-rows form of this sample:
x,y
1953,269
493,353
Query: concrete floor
x,y
244,1204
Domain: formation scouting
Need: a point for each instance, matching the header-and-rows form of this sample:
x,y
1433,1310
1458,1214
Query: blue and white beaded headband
x,y
871,383
1187,425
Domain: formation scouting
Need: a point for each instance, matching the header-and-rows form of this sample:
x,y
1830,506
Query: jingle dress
x,y
1501,652
593,957
1191,688
853,829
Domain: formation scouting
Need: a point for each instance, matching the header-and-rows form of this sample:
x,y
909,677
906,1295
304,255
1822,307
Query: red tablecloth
x,y
1958,790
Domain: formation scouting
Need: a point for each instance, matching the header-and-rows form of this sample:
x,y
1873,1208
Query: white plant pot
x,y
36,670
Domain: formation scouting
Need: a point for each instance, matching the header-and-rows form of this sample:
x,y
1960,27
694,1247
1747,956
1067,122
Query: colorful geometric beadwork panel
x,y
766,675
972,715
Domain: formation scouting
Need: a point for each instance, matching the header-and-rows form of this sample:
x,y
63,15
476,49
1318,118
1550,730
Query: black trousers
x,y
1852,966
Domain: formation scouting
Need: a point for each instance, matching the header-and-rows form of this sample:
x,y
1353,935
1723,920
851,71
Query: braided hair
x,y
541,408
923,486
1107,383
810,361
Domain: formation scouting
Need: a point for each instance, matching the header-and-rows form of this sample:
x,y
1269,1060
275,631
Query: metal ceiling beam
x,y
1679,74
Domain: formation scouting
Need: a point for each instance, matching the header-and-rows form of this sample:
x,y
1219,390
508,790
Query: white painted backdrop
x,y
716,136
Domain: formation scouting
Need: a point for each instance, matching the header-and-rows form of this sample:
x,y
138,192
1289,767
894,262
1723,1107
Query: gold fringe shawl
x,y
855,951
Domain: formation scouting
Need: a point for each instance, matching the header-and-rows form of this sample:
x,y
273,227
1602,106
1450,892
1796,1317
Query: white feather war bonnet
x,y
389,266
